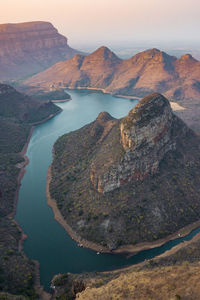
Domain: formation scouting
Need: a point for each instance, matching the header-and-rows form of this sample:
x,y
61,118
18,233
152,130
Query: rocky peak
x,y
154,56
104,117
105,54
143,119
146,136
187,56
187,59
102,125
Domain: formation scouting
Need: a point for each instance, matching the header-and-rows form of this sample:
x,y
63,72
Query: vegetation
x,y
174,276
17,114
52,95
139,211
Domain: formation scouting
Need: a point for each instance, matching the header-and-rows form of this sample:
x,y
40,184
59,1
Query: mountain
x,y
29,48
128,181
146,72
18,113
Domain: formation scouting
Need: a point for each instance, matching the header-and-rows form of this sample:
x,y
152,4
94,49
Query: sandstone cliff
x,y
29,48
120,182
146,72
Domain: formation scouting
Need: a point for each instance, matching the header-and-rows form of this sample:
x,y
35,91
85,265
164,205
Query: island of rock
x,y
128,181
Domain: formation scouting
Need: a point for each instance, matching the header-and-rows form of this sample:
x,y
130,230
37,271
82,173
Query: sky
x,y
111,21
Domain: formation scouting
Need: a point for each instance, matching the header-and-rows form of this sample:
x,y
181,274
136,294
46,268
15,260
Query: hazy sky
x,y
100,21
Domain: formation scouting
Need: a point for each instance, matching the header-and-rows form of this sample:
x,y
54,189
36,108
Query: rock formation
x,y
29,48
146,72
127,181
144,144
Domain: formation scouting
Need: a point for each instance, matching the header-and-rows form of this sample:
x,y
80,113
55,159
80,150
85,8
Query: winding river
x,y
47,241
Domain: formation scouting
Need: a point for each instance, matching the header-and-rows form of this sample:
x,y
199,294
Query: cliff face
x,y
29,48
127,181
144,73
144,142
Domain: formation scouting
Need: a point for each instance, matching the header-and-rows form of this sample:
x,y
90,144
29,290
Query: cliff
x,y
121,182
29,48
146,72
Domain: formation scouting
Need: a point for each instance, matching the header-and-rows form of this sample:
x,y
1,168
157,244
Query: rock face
x,y
29,48
146,137
127,181
144,73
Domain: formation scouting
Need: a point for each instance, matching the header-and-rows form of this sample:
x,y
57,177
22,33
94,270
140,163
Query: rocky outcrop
x,y
119,182
146,72
146,137
29,48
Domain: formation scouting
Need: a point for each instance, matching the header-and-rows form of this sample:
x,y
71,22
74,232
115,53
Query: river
x,y
47,241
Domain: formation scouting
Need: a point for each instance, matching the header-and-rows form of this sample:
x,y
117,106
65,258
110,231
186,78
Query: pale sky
x,y
103,21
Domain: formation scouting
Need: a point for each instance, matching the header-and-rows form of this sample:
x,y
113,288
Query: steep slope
x,y
18,113
173,275
120,182
29,48
146,72
94,70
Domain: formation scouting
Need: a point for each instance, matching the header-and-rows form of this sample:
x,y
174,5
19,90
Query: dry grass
x,y
172,282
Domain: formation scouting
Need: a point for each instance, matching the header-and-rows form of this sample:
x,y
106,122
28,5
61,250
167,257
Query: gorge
x,y
47,241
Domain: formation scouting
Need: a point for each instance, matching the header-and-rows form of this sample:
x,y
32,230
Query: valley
x,y
116,171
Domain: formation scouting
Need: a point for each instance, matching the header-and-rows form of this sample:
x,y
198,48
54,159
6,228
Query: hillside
x,y
174,275
146,72
129,181
29,48
18,113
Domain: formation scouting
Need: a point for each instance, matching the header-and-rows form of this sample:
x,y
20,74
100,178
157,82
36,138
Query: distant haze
x,y
97,22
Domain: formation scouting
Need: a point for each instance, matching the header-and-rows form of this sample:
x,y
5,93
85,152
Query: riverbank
x,y
104,92
39,289
128,250
59,218
61,101
174,105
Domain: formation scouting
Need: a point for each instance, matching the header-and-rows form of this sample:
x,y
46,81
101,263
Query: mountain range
x,y
146,72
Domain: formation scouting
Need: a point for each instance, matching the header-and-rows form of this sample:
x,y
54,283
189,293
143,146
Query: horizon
x,y
114,24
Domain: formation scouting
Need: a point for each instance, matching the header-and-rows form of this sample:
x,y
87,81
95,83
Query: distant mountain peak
x,y
105,53
188,57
